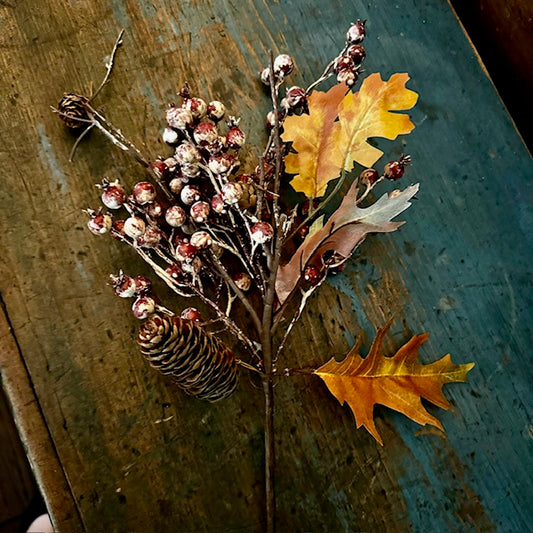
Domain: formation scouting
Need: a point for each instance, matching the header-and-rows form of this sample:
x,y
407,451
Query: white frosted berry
x,y
124,286
191,313
154,210
196,106
187,153
200,211
190,170
176,185
265,75
134,227
231,192
216,110
235,138
144,192
150,238
201,240
143,307
220,164
179,118
186,252
356,32
113,195
175,216
190,194
193,267
271,119
283,65
217,204
171,163
205,133
262,232
100,223
170,136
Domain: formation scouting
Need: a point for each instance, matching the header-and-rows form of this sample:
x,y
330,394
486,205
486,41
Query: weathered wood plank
x,y
460,269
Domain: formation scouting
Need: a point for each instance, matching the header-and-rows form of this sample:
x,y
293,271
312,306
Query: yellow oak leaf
x,y
398,382
334,134
367,114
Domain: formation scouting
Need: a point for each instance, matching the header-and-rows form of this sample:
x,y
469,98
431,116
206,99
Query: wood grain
x,y
136,454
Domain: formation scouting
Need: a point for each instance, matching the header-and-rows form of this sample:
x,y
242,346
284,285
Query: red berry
x,y
134,227
99,223
216,110
243,281
205,133
262,232
312,275
235,138
154,210
217,204
113,196
187,153
143,307
357,53
144,192
356,33
117,230
159,167
186,252
150,238
191,313
175,216
196,106
283,65
143,285
343,63
201,240
175,272
393,170
179,118
231,192
369,176
190,194
200,211
124,286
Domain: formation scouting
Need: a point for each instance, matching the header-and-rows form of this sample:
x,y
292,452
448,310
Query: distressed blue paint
x,y
148,91
147,7
48,157
120,12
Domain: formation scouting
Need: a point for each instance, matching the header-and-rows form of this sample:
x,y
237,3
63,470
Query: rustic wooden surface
x,y
118,448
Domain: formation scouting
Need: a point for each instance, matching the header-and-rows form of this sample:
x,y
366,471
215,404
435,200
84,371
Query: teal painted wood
x,y
460,269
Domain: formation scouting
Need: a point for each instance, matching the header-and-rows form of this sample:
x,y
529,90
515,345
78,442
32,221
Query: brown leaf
x,y
398,382
343,232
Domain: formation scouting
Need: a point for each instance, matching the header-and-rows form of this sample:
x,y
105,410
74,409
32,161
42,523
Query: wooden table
x,y
116,447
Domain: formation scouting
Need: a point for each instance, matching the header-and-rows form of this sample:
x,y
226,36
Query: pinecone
x,y
72,107
199,362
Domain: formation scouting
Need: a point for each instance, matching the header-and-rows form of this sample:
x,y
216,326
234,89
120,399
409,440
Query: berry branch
x,y
233,240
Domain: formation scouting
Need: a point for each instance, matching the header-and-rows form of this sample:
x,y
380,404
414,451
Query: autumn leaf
x,y
314,137
343,232
335,132
398,382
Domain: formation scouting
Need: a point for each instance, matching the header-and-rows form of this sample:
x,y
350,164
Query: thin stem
x,y
109,65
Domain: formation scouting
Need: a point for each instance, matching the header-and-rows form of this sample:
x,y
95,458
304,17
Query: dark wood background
x,y
115,447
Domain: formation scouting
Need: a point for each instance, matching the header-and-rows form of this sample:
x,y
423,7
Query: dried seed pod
x,y
200,363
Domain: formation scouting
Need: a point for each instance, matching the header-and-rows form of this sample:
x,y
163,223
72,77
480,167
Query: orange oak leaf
x,y
398,382
314,136
335,132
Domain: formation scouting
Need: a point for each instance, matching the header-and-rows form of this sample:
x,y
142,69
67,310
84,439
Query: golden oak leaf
x,y
334,134
398,382
314,137
367,113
